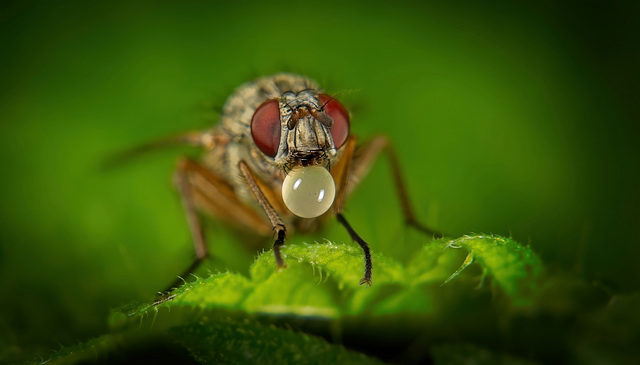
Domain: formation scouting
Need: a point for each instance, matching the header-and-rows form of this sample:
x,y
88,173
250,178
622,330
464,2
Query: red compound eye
x,y
340,129
265,127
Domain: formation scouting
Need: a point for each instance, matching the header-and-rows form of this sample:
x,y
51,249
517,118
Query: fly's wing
x,y
195,139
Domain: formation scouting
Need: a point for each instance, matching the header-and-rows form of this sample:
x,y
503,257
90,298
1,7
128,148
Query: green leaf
x,y
512,267
434,263
321,280
216,340
228,317
227,341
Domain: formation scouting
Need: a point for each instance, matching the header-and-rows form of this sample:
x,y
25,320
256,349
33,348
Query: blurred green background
x,y
509,119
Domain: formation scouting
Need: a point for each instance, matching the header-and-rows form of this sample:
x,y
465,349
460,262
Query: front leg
x,y
342,174
277,223
368,265
354,165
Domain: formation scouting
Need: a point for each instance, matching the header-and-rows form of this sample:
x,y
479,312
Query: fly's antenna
x,y
293,118
327,102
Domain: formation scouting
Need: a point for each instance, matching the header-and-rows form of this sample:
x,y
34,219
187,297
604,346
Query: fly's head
x,y
302,133
300,129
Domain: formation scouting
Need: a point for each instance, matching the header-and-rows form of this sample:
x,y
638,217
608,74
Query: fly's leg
x,y
368,265
195,227
202,190
342,175
364,158
403,196
353,166
277,223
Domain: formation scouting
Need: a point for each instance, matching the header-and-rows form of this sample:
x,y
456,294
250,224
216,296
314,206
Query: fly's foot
x,y
365,280
277,245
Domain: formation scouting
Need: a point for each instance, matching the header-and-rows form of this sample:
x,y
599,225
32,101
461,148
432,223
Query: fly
x,y
281,159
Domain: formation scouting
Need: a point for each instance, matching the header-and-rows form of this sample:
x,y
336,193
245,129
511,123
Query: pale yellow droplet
x,y
308,191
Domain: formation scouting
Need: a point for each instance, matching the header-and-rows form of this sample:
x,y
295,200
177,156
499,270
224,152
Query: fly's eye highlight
x,y
265,127
340,128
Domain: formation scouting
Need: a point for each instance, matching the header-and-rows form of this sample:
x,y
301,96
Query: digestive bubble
x,y
308,191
